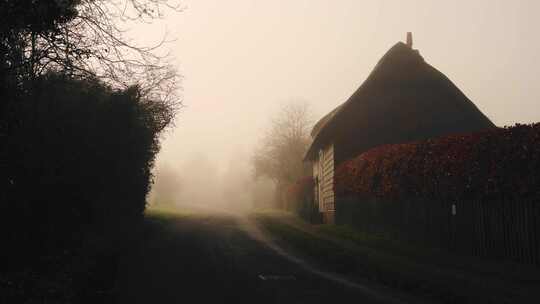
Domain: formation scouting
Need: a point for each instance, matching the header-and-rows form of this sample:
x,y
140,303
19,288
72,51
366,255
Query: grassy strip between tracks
x,y
422,272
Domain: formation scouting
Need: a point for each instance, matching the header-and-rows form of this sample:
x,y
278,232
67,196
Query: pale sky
x,y
242,59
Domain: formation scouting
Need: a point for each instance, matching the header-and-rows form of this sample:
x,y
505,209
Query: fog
x,y
198,183
242,60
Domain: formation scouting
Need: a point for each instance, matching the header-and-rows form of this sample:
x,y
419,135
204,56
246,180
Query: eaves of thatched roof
x,y
401,88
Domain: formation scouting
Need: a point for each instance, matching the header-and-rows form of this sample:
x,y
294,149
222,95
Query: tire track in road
x,y
256,233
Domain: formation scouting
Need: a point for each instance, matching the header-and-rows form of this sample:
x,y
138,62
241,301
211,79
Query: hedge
x,y
500,163
77,161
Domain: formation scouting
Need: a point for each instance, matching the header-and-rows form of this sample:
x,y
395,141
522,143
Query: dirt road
x,y
221,258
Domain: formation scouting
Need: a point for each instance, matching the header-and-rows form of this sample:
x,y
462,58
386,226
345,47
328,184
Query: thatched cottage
x,y
403,99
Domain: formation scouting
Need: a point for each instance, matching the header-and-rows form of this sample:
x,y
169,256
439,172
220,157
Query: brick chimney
x,y
409,39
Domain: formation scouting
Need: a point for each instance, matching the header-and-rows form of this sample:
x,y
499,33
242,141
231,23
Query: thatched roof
x,y
403,99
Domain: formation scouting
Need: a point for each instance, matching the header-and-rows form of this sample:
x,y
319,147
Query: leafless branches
x,y
94,44
281,150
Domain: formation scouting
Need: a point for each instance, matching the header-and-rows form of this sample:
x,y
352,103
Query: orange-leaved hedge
x,y
501,163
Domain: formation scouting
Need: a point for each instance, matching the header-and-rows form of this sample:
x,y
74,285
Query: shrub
x,y
500,163
79,158
300,198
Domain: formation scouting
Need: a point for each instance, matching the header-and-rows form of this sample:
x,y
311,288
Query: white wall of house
x,y
323,173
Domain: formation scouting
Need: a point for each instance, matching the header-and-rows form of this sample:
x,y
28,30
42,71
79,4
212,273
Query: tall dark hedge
x,y
77,158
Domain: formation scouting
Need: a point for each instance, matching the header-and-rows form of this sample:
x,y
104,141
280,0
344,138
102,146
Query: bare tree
x,y
86,38
281,150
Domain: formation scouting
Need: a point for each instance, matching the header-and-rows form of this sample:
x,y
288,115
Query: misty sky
x,y
241,60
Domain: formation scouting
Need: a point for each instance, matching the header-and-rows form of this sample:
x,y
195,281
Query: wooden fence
x,y
505,230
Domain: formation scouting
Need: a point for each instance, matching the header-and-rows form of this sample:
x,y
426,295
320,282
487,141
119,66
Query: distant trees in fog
x,y
280,152
166,188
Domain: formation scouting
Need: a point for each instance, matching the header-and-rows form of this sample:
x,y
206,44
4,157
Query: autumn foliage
x,y
500,163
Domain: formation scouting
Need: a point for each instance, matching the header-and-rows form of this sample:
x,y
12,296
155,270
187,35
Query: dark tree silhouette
x,y
81,112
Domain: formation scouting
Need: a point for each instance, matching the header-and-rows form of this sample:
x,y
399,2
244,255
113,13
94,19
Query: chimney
x,y
409,39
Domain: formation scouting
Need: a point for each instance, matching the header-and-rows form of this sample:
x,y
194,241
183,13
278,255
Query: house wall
x,y
323,173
